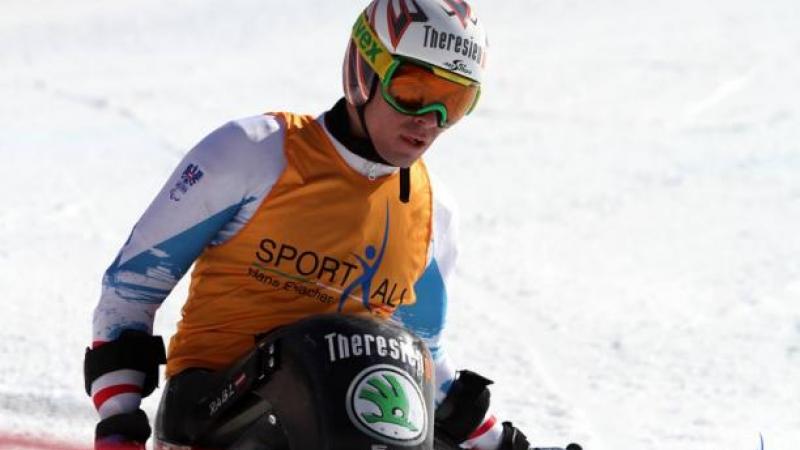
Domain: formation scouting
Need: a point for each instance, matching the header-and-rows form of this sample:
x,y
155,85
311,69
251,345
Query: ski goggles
x,y
413,87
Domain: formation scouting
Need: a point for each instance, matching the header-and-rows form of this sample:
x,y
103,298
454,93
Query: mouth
x,y
414,141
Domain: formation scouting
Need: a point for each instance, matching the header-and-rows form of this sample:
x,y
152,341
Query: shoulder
x,y
444,240
257,128
445,207
243,149
243,140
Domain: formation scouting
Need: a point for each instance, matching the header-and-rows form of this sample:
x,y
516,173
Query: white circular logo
x,y
384,402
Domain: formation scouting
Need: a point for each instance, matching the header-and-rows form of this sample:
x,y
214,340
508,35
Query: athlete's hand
x,y
569,447
513,439
128,431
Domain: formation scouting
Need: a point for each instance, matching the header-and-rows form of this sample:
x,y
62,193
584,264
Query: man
x,y
288,216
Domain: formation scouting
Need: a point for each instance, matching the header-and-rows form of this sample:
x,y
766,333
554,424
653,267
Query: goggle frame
x,y
437,107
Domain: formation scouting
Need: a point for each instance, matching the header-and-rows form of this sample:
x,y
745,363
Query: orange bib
x,y
326,239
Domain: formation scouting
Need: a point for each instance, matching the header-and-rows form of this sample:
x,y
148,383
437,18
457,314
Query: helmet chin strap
x,y
405,175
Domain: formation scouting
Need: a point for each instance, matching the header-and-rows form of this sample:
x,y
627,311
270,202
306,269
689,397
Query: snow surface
x,y
630,193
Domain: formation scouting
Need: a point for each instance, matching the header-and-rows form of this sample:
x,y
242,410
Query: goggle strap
x,y
370,47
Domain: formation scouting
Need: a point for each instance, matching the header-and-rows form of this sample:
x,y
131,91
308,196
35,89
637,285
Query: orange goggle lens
x,y
416,90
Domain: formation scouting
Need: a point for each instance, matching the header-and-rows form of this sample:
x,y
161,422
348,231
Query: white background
x,y
629,190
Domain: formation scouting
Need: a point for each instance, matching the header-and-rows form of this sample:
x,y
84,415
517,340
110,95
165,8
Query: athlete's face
x,y
399,138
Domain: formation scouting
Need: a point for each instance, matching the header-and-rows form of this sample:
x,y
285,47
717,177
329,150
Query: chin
x,y
405,160
403,155
409,154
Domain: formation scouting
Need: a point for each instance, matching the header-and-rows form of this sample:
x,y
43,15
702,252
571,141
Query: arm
x,y
212,193
427,319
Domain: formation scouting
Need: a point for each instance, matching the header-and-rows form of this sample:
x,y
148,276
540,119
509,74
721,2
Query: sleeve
x,y
211,194
427,317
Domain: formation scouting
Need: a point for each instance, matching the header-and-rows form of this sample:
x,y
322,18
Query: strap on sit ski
x,y
240,379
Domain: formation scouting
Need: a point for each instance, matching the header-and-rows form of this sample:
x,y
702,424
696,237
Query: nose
x,y
428,120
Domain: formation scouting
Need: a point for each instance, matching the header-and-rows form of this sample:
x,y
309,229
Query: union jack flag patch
x,y
189,177
191,174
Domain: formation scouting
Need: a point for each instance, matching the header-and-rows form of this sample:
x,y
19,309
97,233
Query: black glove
x,y
128,431
513,439
569,447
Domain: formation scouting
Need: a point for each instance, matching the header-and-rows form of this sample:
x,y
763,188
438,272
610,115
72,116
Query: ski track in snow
x,y
633,224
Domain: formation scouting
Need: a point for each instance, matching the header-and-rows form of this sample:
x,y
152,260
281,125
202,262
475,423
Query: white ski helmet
x,y
444,34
